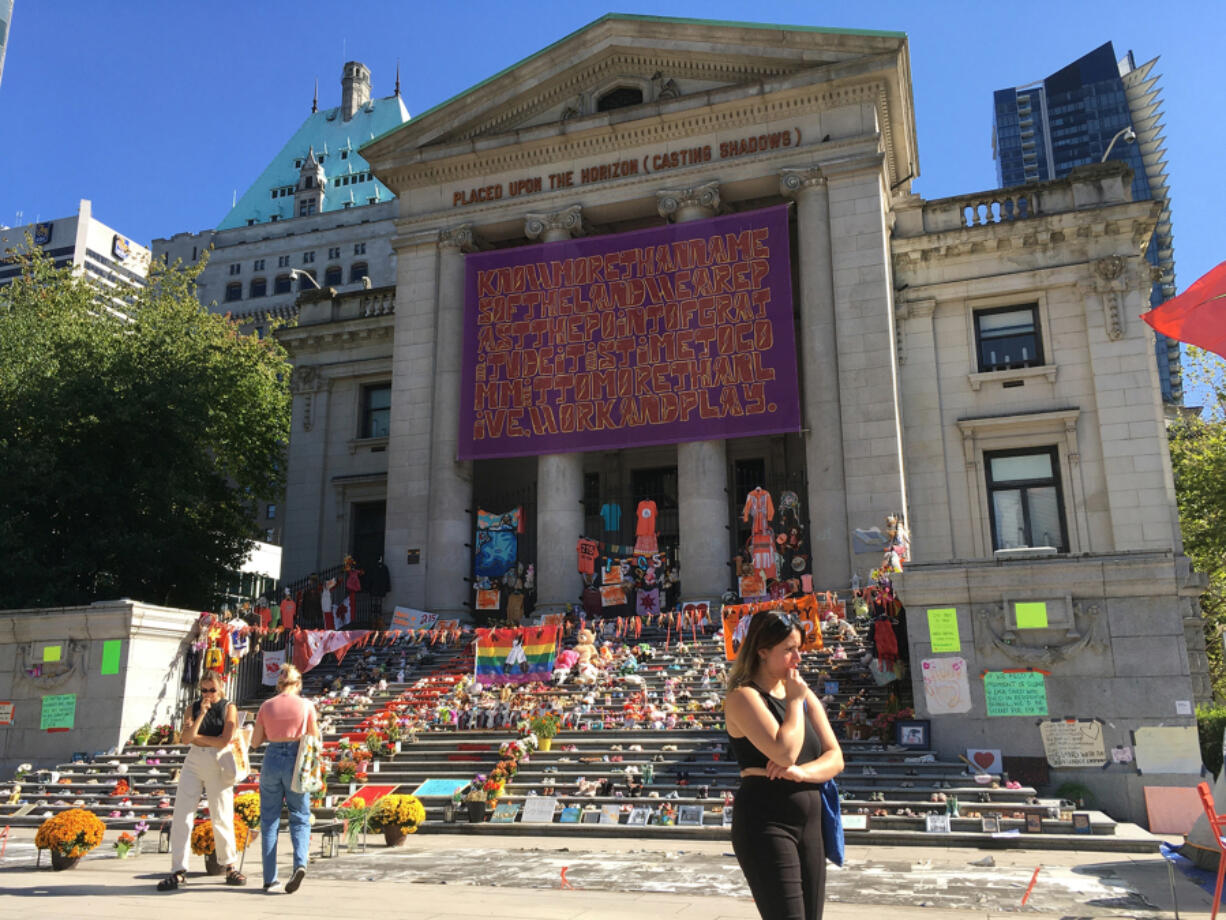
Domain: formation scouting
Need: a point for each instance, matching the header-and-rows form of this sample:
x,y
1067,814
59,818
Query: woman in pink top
x,y
283,721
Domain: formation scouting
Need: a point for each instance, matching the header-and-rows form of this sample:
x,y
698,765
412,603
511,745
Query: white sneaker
x,y
274,888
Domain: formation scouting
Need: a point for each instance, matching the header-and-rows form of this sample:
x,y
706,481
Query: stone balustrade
x,y
331,306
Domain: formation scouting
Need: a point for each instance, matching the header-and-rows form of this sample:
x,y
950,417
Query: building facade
x,y
88,246
315,218
1044,130
972,364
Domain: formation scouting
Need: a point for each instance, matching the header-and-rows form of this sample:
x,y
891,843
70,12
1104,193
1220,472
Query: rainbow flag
x,y
515,656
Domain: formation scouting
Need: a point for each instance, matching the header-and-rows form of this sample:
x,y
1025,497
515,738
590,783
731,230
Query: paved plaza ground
x,y
458,878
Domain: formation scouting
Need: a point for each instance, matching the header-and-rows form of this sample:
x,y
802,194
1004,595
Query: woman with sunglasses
x,y
785,748
208,728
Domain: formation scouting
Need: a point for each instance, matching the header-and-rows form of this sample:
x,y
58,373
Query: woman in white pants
x,y
208,728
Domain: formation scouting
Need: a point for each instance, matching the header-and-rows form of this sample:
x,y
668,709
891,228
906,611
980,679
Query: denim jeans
x,y
276,775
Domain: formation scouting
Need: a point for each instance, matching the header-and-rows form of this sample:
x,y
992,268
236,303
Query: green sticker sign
x,y
51,653
1015,693
111,650
58,712
1031,615
943,629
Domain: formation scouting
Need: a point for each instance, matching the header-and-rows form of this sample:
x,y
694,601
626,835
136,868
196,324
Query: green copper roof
x,y
634,17
337,142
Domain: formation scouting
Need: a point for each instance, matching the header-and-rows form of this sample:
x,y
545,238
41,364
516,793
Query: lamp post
x,y
1129,136
299,273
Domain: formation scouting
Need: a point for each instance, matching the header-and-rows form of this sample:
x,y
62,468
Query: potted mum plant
x,y
69,836
397,816
203,844
475,799
545,727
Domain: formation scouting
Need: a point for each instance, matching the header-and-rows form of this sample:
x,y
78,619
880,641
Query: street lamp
x,y
299,273
1129,136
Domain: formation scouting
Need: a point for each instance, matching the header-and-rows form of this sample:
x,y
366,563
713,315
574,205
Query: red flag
x,y
1198,315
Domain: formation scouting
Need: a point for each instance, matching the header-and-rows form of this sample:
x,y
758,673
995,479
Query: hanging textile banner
x,y
736,619
656,336
272,667
310,646
515,656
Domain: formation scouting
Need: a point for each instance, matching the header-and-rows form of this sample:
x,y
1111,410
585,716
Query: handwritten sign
x,y
1015,693
1031,614
655,336
1074,743
58,712
112,650
947,689
6,713
943,629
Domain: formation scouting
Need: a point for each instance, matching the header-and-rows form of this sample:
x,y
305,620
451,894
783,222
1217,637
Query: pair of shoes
x,y
234,877
274,888
295,880
173,881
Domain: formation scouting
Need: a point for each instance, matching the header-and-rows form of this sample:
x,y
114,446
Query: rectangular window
x,y
1024,498
282,261
306,208
1008,338
270,512
235,268
234,291
282,284
308,258
334,252
359,249
376,410
258,265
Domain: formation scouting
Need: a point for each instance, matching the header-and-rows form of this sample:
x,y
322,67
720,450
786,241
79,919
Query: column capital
x,y
569,220
794,181
673,203
461,238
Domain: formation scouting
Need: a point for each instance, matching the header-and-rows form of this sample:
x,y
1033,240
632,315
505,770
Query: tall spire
x,y
397,93
315,101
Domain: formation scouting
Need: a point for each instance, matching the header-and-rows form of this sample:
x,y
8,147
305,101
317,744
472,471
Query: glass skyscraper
x,y
1040,131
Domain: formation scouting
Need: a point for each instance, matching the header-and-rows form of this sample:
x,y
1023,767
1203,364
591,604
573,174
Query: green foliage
x,y
1198,461
1211,723
135,436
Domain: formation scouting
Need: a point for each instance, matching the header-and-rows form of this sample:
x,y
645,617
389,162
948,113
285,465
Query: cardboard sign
x,y
488,598
1015,693
6,713
410,618
58,712
1167,749
943,629
1030,615
947,688
612,596
1074,743
986,759
112,651
936,824
539,809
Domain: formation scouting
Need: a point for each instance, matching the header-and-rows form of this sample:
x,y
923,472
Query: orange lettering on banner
x,y
659,335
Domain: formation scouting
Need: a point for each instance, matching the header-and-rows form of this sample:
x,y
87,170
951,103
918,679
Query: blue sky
x,y
159,112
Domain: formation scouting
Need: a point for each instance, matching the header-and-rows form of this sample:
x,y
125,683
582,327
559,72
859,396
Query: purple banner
x,y
678,333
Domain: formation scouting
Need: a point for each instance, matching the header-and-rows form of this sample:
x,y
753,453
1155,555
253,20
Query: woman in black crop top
x,y
208,728
786,748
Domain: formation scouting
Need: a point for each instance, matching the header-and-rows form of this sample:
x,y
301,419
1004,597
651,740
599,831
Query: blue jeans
x,y
276,775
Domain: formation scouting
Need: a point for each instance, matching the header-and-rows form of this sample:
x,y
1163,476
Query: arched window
x,y
282,284
259,287
234,291
333,275
357,272
619,98
303,284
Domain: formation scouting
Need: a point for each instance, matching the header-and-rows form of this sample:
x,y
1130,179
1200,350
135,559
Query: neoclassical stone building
x,y
974,363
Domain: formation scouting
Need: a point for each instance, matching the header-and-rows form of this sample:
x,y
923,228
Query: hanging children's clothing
x,y
762,548
645,528
759,506
588,551
611,515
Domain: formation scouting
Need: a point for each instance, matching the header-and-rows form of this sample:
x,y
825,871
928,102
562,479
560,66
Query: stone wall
x,y
108,706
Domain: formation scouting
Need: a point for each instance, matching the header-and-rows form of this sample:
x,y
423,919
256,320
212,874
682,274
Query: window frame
x,y
1055,482
365,410
234,292
354,277
252,293
1038,360
279,288
334,270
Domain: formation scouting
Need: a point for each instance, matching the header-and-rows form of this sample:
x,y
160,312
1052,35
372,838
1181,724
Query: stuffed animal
x,y
586,646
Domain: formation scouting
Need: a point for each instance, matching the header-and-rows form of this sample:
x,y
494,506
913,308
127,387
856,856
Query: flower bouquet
x,y
356,816
125,845
247,809
69,836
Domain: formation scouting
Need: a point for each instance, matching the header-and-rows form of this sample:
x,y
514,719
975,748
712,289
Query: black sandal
x,y
234,877
173,881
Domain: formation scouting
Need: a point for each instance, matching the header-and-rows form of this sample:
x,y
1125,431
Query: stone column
x,y
828,533
702,466
449,530
559,477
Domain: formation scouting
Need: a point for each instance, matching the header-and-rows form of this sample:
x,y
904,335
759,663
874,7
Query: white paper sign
x,y
986,759
1183,707
946,688
539,809
1074,743
1167,749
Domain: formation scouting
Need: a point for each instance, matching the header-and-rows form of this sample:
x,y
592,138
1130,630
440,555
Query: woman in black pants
x,y
785,748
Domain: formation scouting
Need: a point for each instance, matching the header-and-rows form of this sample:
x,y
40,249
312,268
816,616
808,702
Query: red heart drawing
x,y
984,759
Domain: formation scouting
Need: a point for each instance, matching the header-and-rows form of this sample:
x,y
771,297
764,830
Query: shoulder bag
x,y
308,766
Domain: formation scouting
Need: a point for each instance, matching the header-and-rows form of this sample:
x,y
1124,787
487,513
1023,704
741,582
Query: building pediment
x,y
676,67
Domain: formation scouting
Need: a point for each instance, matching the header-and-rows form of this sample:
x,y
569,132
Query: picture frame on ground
x,y
936,824
991,824
539,809
855,822
1034,824
638,817
592,817
570,815
610,814
1081,822
913,733
689,816
504,813
728,816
